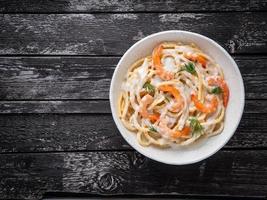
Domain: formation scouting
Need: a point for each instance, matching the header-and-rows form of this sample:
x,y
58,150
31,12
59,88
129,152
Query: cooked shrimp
x,y
218,81
156,61
209,107
154,117
145,101
184,133
195,57
176,94
173,93
165,130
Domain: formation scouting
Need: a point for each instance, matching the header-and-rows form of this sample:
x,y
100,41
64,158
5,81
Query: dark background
x,y
57,136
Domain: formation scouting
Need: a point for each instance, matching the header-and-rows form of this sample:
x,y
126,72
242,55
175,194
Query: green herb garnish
x,y
216,90
195,125
152,129
149,88
190,67
167,99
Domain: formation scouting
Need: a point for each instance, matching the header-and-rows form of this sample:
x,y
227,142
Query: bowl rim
x,y
116,118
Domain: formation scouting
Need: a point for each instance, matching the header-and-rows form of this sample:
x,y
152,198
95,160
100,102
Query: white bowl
x,y
207,146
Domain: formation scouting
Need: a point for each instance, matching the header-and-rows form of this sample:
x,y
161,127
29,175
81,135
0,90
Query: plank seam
x,y
225,149
142,12
106,55
48,195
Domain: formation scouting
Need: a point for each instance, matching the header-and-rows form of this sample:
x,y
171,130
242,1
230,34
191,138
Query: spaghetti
x,y
174,97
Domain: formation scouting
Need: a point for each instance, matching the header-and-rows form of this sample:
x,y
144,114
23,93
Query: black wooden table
x,y
57,136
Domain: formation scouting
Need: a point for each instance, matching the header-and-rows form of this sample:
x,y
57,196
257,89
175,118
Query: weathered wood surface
x,y
28,176
86,196
56,130
102,34
88,107
79,106
80,132
57,78
59,133
129,6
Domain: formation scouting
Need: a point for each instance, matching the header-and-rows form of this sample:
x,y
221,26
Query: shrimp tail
x,y
205,108
218,81
197,58
156,61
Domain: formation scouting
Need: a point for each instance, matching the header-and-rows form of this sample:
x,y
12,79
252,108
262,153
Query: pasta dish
x,y
174,96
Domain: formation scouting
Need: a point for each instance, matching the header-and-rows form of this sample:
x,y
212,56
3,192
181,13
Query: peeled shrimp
x,y
156,60
176,94
195,57
209,107
145,101
218,81
165,130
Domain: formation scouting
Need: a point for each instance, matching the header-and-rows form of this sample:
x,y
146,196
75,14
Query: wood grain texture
x,y
113,34
56,130
130,6
29,176
31,133
86,196
80,132
59,78
55,77
88,107
79,106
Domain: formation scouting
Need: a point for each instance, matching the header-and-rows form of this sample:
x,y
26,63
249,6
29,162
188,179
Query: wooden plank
x,y
86,196
113,34
88,107
58,78
129,6
80,106
55,77
72,132
253,77
28,176
31,133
